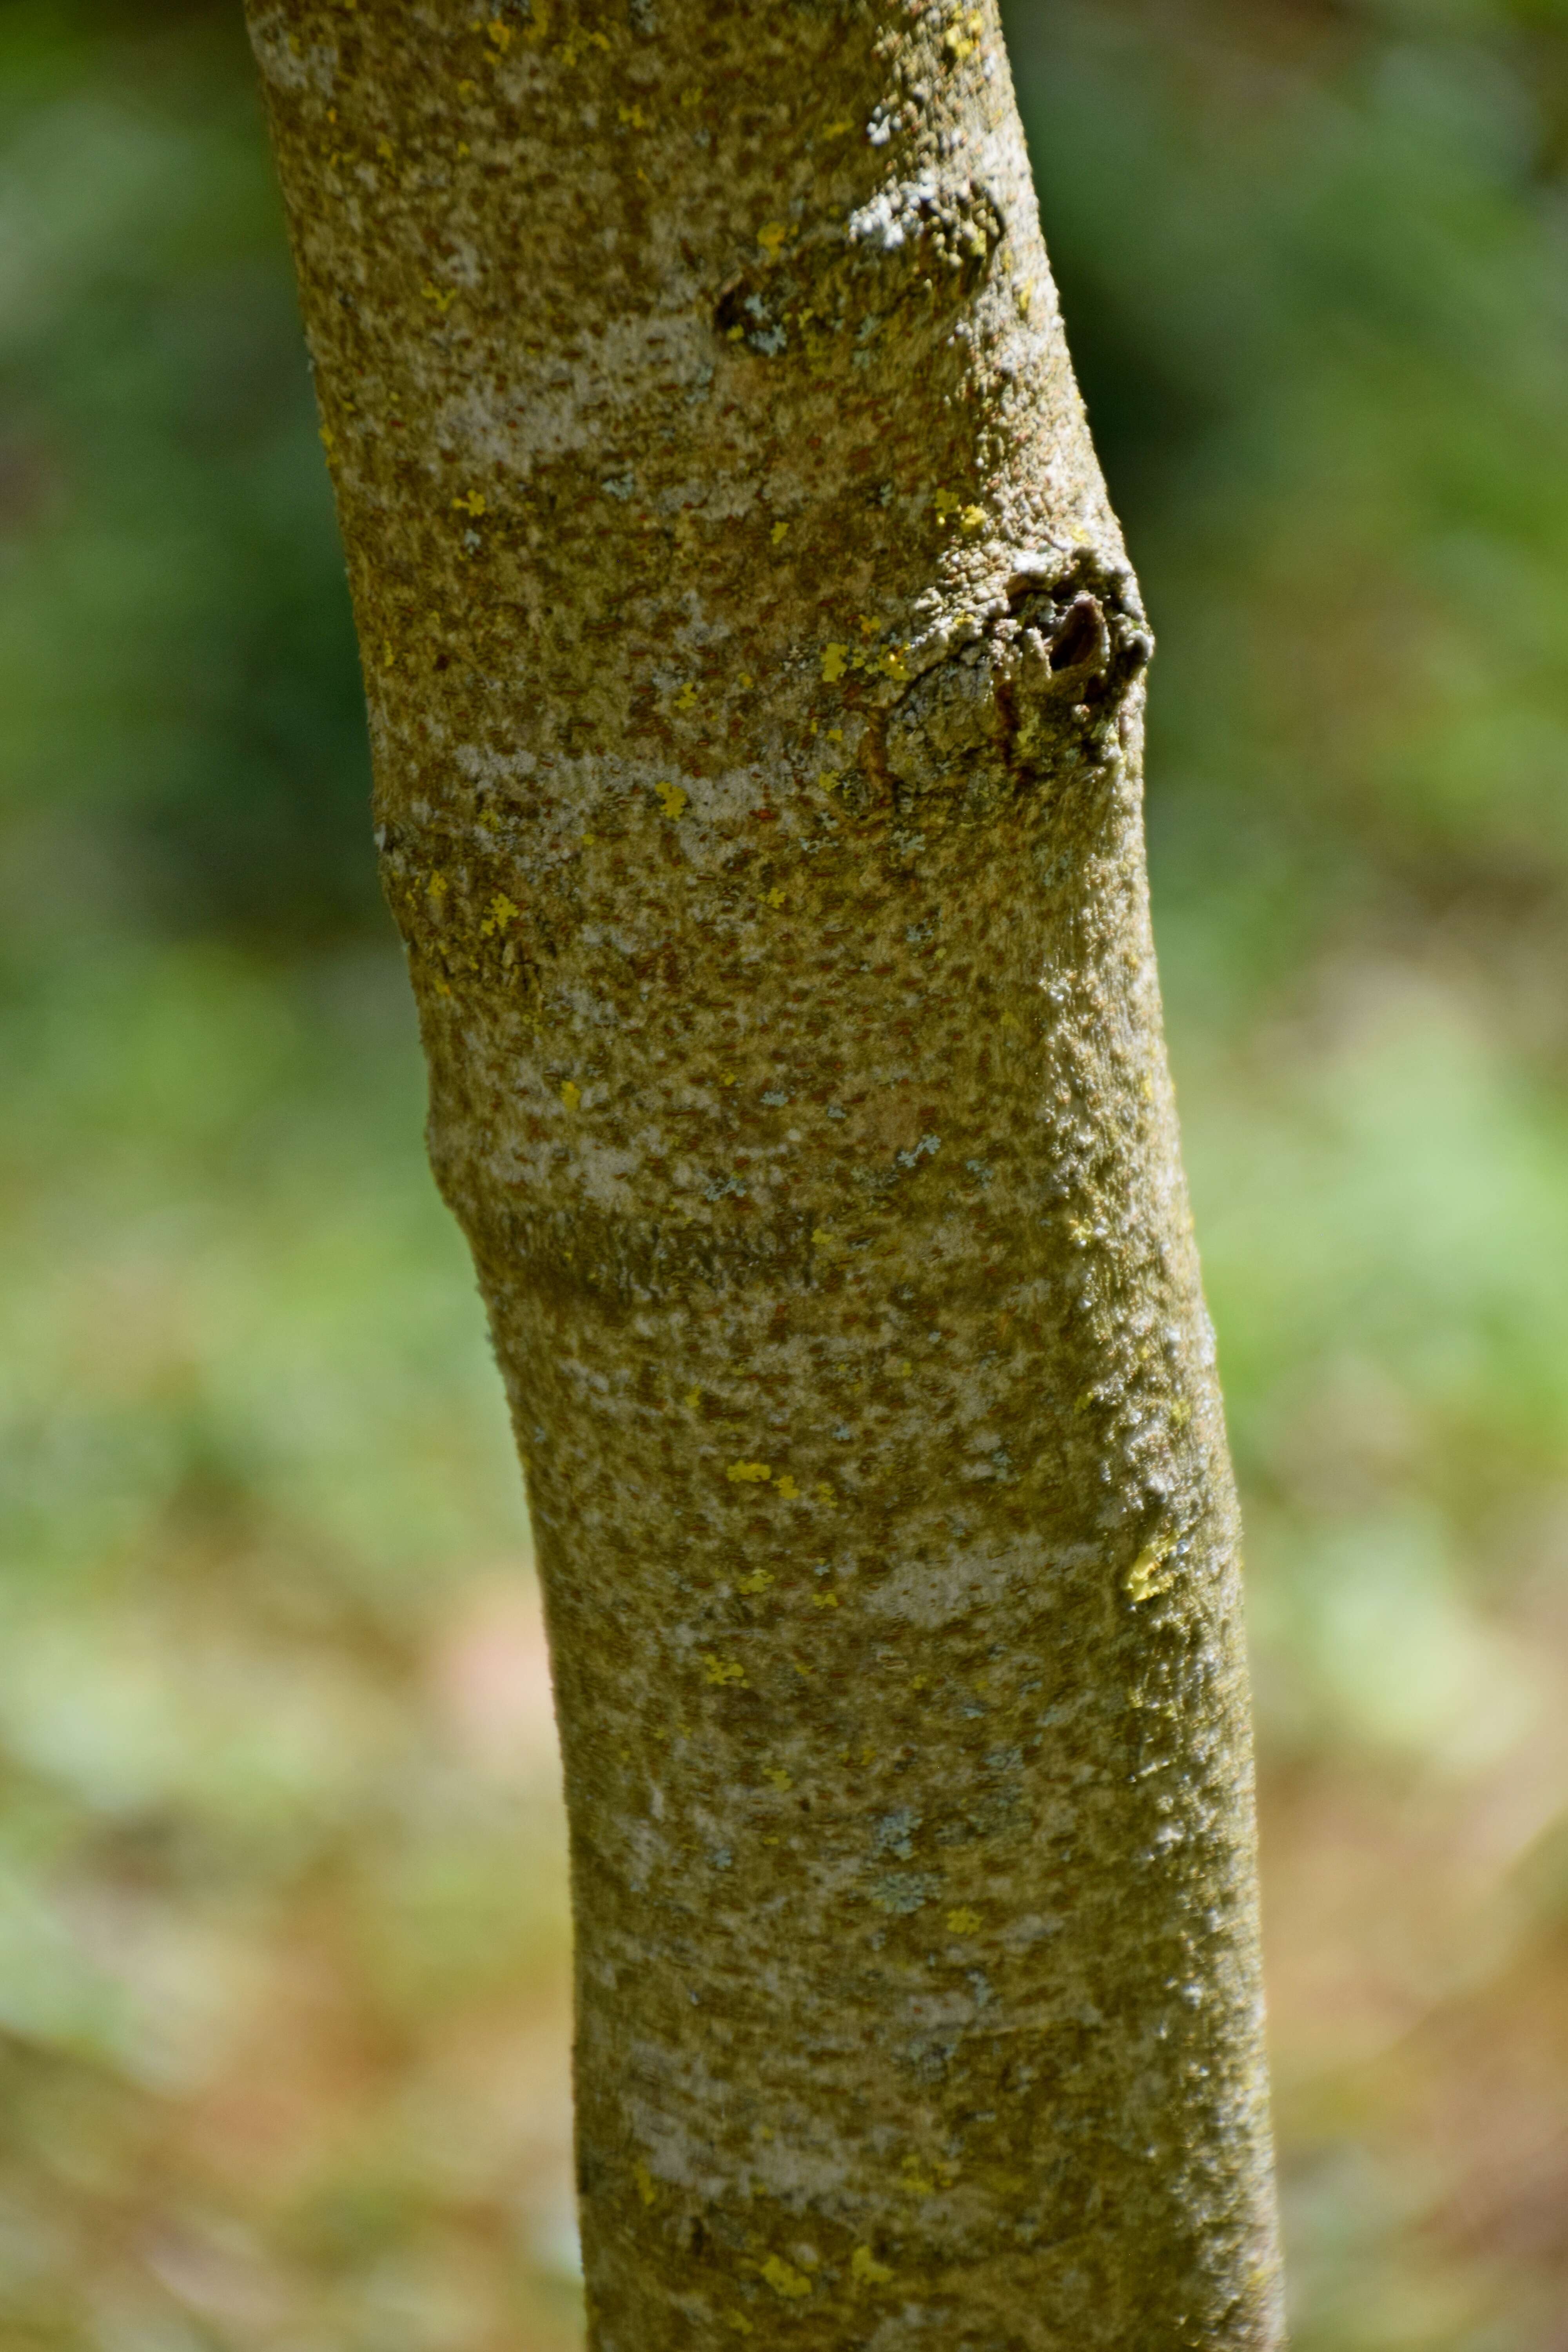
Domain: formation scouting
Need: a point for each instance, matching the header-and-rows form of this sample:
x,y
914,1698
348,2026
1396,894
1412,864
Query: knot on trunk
x,y
1038,694
917,250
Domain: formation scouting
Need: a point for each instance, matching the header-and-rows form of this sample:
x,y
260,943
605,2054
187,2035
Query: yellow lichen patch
x,y
787,1488
775,897
1149,1573
438,888
741,2326
785,2279
778,1776
720,1672
501,913
772,236
748,1473
779,534
972,518
891,661
963,1921
644,2183
693,1399
570,1094
825,1600
672,799
822,1493
948,502
834,658
686,697
917,2181
472,502
631,118
1181,1414
962,36
758,1582
442,297
864,2269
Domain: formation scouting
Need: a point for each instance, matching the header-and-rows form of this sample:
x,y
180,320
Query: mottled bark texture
x,y
755,677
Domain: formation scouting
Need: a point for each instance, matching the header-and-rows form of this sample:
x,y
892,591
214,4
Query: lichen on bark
x,y
756,679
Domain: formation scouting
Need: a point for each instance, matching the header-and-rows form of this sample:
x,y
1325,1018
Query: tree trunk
x,y
755,678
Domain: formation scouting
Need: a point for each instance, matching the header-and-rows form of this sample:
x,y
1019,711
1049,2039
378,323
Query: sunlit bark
x,y
756,680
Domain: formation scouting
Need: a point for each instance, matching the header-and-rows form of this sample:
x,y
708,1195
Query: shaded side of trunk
x,y
755,679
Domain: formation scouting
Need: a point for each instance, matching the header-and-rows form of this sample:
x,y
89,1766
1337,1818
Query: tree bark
x,y
755,678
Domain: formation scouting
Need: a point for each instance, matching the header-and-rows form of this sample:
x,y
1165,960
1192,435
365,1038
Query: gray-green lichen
x,y
755,678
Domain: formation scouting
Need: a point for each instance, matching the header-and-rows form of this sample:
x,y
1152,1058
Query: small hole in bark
x,y
1077,640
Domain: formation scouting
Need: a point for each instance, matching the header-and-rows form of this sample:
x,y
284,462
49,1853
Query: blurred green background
x,y
282,1928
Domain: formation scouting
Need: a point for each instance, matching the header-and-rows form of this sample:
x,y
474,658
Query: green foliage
x,y
281,1909
176,612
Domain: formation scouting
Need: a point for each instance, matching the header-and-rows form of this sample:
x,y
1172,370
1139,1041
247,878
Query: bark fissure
x,y
755,679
